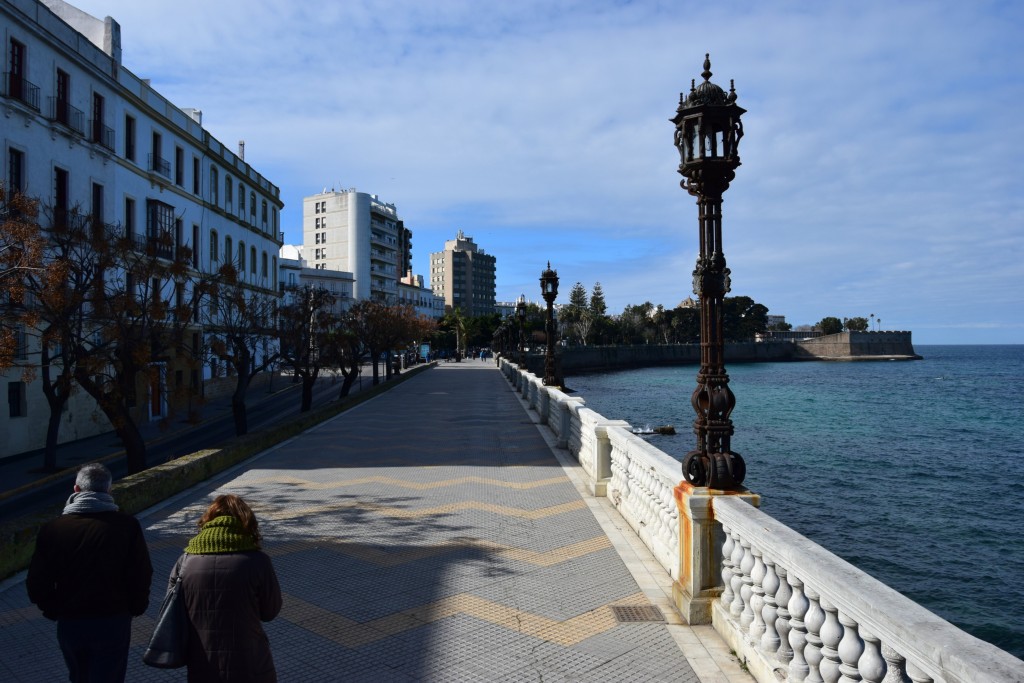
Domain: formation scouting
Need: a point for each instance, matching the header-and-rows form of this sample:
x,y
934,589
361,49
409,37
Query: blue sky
x,y
883,161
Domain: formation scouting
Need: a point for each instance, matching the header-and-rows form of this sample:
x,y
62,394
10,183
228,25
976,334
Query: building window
x,y
129,138
214,257
252,260
195,246
214,185
17,405
252,208
241,258
263,265
60,196
241,201
195,175
179,166
229,201
129,217
15,170
62,106
228,254
264,214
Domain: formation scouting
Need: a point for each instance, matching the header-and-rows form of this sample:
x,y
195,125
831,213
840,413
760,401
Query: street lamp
x,y
708,132
521,316
549,290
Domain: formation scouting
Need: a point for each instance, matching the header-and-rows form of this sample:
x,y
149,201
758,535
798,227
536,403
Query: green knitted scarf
x,y
221,535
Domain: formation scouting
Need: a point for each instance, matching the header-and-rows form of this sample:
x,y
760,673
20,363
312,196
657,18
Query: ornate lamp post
x,y
549,290
708,132
521,316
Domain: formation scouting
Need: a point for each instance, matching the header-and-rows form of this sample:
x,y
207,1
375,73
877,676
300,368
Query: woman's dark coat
x,y
228,595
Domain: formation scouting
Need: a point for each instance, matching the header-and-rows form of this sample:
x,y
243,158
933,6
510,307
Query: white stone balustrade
x,y
842,625
790,609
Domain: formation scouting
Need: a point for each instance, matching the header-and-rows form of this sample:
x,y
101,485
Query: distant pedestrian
x,y
91,573
230,588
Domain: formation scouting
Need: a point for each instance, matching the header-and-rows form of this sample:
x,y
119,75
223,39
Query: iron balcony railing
x,y
62,112
101,134
159,165
16,87
155,245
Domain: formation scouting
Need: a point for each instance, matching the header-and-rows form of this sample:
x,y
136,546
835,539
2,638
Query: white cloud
x,y
881,162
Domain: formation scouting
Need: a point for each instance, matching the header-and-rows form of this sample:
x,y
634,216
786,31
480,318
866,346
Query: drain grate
x,y
634,613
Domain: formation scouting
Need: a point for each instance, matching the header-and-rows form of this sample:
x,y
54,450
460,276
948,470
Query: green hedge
x,y
138,492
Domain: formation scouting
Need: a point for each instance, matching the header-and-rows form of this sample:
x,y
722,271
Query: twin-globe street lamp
x,y
708,132
549,290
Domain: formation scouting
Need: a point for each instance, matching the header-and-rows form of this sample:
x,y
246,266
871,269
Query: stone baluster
x,y
770,611
746,586
727,566
894,666
916,675
782,625
871,664
797,608
757,574
851,647
831,635
813,621
736,607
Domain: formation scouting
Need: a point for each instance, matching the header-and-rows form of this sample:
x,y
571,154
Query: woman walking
x,y
230,588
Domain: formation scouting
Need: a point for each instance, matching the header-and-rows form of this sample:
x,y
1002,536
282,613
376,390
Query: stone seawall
x,y
843,346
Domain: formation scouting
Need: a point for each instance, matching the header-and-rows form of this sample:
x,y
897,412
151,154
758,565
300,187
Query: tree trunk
x,y
307,393
238,405
134,446
52,434
347,382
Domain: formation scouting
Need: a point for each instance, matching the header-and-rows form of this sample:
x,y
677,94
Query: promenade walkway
x,y
430,534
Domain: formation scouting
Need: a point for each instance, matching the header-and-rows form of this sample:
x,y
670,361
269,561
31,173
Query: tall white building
x,y
81,132
357,232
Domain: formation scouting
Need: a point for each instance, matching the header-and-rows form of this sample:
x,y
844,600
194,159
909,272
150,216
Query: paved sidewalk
x,y
430,534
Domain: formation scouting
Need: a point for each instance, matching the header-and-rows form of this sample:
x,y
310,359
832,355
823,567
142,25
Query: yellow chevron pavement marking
x,y
406,513
384,558
351,634
402,483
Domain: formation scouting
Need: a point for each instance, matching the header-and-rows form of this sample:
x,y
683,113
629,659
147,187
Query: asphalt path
x,y
24,489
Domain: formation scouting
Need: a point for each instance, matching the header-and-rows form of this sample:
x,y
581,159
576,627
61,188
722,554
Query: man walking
x,y
91,573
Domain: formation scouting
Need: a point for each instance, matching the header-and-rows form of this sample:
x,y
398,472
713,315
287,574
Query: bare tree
x,y
21,253
305,324
239,321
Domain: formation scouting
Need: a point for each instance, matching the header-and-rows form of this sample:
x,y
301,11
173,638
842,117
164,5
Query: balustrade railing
x,y
65,114
19,88
790,609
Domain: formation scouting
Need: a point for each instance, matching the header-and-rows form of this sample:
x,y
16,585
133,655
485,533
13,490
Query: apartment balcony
x,y
159,166
18,88
101,134
160,245
63,113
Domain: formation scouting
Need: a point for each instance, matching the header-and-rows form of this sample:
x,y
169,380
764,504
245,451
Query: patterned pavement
x,y
430,534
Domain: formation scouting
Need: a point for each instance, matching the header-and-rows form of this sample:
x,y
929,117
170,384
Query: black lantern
x,y
521,316
549,290
708,132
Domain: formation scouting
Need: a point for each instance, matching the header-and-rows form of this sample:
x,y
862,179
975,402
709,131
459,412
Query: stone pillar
x,y
700,550
602,463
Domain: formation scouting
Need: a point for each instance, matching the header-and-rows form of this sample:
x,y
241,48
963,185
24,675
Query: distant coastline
x,y
844,346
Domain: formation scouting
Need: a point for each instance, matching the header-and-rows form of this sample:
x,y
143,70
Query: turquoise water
x,y
909,470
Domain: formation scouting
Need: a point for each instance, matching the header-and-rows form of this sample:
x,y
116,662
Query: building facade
x,y
358,233
83,134
413,292
464,275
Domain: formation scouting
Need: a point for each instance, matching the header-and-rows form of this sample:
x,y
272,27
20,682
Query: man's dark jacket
x,y
90,565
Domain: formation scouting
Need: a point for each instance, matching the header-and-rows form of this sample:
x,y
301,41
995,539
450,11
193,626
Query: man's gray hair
x,y
94,477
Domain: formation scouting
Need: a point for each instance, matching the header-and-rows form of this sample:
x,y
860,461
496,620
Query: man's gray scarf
x,y
89,501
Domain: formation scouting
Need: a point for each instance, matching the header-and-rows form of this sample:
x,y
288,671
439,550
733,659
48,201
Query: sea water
x,y
910,470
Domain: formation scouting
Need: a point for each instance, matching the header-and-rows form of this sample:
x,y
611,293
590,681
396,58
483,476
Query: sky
x,y
882,163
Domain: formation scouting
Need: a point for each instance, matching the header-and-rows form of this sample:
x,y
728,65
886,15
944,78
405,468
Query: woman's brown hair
x,y
233,506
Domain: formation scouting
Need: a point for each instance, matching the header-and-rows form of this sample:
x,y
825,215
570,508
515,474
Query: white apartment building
x,y
464,275
356,232
412,292
296,272
81,132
